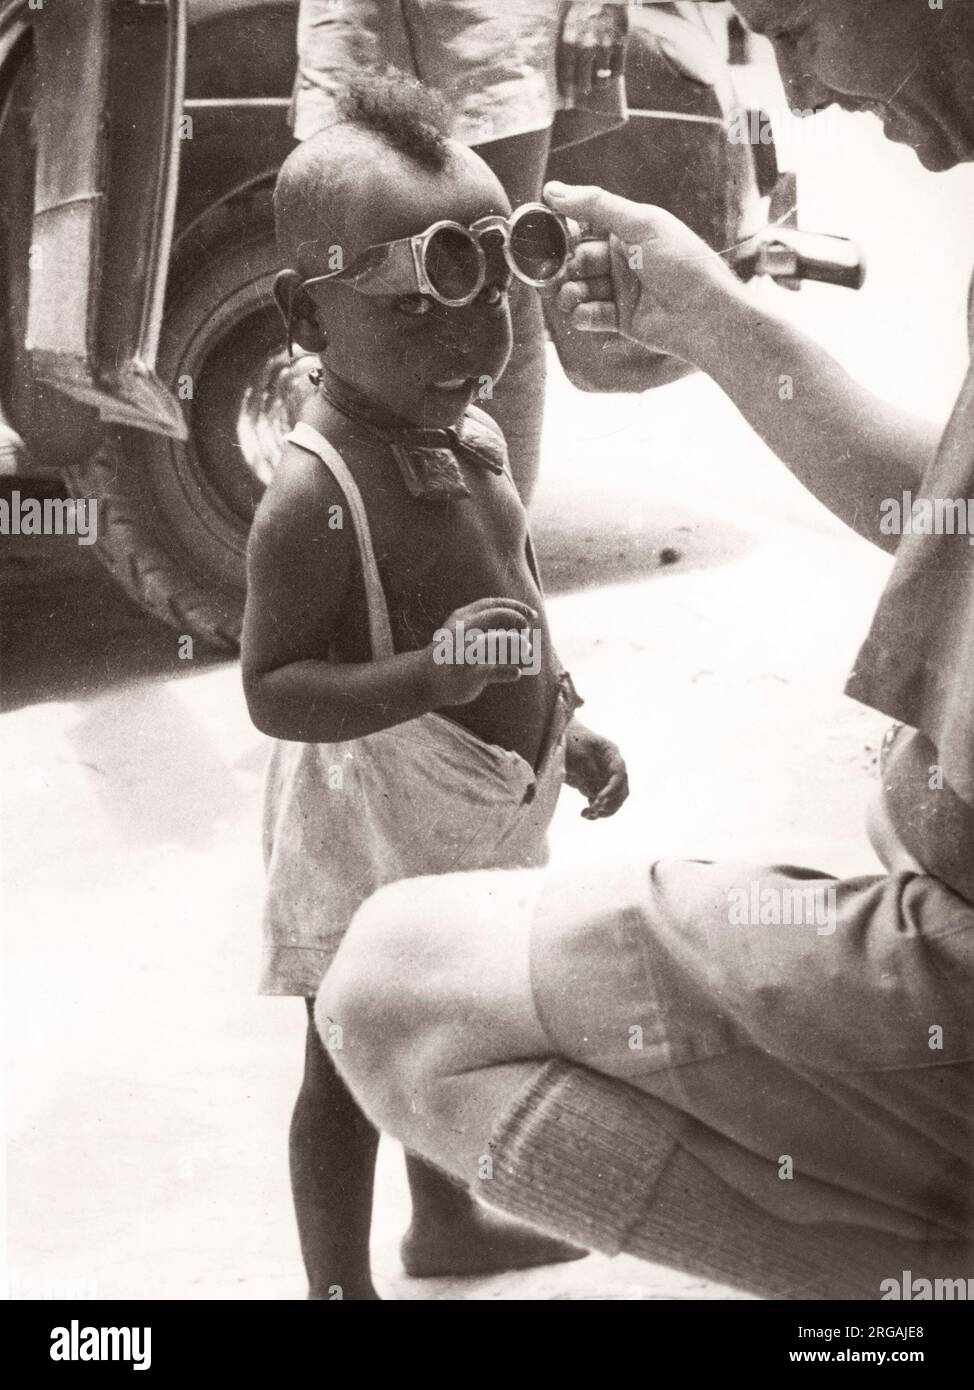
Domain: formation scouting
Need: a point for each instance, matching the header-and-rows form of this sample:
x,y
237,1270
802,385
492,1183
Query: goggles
x,y
448,261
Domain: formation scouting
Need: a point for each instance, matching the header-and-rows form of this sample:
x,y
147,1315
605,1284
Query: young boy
x,y
389,543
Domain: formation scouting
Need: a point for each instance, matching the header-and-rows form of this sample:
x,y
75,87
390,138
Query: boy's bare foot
x,y
479,1243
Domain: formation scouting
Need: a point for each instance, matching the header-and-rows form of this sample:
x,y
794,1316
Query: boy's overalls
x,y
424,797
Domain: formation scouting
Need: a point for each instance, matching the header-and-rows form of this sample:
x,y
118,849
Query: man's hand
x,y
459,671
595,767
649,277
592,47
642,273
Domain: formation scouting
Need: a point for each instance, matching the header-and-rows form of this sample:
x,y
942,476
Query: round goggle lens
x,y
539,247
452,263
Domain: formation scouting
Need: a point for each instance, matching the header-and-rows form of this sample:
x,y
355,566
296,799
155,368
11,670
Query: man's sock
x,y
588,1158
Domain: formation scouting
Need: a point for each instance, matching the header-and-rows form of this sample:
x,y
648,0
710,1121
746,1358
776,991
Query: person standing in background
x,y
521,77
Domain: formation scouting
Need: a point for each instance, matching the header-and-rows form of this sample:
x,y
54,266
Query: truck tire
x,y
173,517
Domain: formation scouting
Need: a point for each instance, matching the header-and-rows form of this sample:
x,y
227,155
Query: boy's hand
x,y
458,676
595,767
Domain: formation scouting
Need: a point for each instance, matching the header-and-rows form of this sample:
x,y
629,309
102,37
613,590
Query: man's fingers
x,y
596,316
603,212
588,260
577,292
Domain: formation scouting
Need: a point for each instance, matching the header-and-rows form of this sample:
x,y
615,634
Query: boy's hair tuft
x,y
402,112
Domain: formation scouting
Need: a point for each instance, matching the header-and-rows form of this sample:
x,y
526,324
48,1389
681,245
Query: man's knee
x,y
431,979
364,1012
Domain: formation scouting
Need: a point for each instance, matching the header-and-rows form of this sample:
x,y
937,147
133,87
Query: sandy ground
x,y
148,1088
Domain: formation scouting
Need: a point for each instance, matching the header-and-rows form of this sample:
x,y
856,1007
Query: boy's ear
x,y
298,312
286,284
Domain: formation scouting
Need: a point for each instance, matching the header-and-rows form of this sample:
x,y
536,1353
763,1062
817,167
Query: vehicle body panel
x,y
104,202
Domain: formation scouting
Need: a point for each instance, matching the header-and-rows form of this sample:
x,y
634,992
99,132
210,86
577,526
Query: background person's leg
x,y
518,402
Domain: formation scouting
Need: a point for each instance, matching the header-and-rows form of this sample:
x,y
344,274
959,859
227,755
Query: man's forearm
x,y
322,702
848,447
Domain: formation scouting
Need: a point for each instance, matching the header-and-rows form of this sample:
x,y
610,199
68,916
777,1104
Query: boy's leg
x,y
332,1152
518,402
451,1233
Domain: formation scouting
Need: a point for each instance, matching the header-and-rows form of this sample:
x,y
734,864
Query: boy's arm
x,y
595,767
299,572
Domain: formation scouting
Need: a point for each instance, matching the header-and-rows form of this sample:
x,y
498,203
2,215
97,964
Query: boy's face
x,y
410,353
893,57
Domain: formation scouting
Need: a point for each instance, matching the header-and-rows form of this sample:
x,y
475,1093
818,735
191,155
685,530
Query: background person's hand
x,y
595,767
641,272
591,48
456,681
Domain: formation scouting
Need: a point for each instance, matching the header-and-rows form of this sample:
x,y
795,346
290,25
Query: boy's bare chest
x,y
435,556
416,541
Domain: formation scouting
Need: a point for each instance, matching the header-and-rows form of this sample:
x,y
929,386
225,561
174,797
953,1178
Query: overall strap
x,y
380,629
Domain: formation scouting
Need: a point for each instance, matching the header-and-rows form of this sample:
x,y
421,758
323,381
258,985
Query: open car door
x,y
108,106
